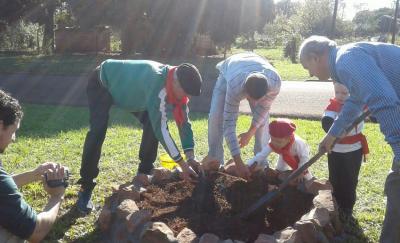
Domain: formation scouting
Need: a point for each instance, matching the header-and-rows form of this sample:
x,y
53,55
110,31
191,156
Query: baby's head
x,y
341,92
281,131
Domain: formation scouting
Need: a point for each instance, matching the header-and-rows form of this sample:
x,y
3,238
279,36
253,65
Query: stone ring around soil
x,y
172,210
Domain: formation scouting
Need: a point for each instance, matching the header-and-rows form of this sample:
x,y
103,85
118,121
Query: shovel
x,y
273,194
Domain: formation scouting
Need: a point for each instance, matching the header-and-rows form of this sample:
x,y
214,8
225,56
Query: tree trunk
x,y
396,12
333,27
48,34
37,40
127,39
225,49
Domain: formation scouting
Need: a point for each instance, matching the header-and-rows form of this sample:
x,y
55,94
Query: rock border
x,y
122,220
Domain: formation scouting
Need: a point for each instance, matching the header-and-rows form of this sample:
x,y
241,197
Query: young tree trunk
x,y
48,34
37,40
128,42
333,24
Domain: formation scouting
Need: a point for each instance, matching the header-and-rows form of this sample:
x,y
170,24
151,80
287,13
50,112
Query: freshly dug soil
x,y
212,206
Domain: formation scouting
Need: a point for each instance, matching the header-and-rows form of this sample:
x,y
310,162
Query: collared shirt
x,y
235,70
371,73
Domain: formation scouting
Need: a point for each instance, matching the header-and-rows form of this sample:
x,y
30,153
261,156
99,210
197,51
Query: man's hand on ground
x,y
241,169
188,173
194,164
244,139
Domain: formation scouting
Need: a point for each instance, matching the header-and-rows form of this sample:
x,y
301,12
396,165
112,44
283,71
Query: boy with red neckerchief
x,y
293,151
148,90
344,161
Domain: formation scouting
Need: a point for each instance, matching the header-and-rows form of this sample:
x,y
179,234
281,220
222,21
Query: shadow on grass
x,y
65,222
353,232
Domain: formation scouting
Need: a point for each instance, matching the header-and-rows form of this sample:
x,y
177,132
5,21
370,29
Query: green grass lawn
x,y
82,64
50,133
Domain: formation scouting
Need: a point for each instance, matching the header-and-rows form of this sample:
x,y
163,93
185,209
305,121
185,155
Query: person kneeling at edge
x,y
145,88
18,221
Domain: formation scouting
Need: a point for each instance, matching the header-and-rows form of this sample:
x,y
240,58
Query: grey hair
x,y
316,45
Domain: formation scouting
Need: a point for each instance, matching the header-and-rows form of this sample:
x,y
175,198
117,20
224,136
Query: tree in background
x,y
168,27
12,11
225,21
42,12
173,25
366,23
296,20
34,11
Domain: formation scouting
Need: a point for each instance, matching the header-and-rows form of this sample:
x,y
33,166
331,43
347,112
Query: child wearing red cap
x,y
344,161
293,151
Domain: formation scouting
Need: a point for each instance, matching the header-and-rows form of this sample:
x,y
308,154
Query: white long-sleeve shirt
x,y
345,148
235,70
299,148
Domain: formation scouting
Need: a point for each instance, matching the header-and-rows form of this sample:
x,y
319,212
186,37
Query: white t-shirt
x,y
346,148
299,148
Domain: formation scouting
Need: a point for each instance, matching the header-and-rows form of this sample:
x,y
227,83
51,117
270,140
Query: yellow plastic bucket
x,y
167,162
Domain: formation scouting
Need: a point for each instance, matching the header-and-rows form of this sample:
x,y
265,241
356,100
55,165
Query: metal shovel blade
x,y
266,198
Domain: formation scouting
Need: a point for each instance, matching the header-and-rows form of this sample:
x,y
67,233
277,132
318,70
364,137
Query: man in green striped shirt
x,y
146,89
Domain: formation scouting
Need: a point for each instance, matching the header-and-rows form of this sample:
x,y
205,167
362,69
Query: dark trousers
x,y
343,174
100,102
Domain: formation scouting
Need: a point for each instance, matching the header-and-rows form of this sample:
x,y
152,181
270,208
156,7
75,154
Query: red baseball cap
x,y
281,128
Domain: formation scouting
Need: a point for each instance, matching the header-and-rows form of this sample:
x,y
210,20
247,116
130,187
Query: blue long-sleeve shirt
x,y
371,72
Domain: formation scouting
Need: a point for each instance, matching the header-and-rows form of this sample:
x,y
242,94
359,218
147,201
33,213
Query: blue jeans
x,y
215,124
391,224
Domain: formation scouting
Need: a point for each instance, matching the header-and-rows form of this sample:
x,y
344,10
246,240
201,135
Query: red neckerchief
x,y
334,105
292,161
171,99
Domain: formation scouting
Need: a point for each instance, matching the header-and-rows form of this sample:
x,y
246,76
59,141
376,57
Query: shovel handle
x,y
316,157
264,199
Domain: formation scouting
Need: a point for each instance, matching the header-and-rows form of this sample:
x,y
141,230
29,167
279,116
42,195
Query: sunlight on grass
x,y
72,65
50,133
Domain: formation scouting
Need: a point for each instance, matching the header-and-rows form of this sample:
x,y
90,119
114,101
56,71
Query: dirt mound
x,y
212,206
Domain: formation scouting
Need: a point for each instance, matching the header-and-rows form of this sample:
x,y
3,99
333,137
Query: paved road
x,y
296,99
300,99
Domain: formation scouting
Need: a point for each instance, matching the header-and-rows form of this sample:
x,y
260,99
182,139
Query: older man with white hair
x,y
371,72
241,76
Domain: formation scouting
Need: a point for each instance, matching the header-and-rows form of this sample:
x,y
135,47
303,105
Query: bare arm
x,y
26,178
46,219
33,175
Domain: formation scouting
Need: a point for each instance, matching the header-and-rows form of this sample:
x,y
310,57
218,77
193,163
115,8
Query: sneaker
x,y
84,203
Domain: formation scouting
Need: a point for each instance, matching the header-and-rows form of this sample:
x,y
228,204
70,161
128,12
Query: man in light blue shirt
x,y
241,76
371,72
